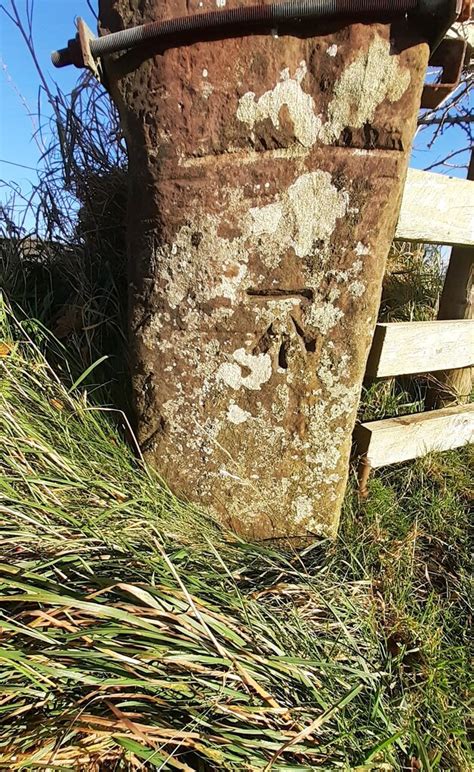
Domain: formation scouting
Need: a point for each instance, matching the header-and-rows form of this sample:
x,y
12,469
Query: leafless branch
x,y
449,157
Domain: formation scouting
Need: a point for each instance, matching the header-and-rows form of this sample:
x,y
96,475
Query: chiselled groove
x,y
283,354
281,294
264,343
308,340
371,139
246,155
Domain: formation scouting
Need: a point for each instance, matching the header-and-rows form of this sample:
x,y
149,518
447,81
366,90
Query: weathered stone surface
x,y
266,174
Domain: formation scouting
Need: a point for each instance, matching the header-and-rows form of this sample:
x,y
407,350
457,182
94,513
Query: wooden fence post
x,y
456,302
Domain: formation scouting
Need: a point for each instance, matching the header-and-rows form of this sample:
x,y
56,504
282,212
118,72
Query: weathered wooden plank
x,y
436,209
403,348
401,439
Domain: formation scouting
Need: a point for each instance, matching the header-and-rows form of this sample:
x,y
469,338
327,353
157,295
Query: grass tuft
x,y
136,631
135,627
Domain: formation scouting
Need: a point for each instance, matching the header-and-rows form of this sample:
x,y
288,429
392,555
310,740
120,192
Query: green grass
x,y
135,631
412,284
411,539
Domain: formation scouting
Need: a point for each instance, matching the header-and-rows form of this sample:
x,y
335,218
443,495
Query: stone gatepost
x,y
266,174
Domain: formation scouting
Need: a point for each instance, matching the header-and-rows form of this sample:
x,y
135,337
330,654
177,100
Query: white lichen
x,y
357,288
232,373
236,415
266,219
324,316
289,93
315,205
375,76
303,507
207,89
372,78
361,249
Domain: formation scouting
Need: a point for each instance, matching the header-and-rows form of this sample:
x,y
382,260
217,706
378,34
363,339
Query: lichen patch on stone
x,y
266,219
303,509
288,93
260,366
324,316
236,415
361,249
357,288
207,89
373,77
316,205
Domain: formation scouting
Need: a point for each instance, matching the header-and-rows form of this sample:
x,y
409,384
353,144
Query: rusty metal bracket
x,y
86,36
79,50
450,55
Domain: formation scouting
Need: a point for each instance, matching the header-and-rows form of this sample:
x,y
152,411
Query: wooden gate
x,y
438,210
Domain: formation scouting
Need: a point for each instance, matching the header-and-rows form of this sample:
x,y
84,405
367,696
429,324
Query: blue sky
x,y
19,84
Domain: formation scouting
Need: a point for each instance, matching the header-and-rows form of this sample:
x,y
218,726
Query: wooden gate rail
x,y
436,209
393,440
407,348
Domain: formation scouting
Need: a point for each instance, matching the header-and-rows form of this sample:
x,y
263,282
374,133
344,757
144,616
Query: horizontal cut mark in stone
x,y
281,294
247,156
